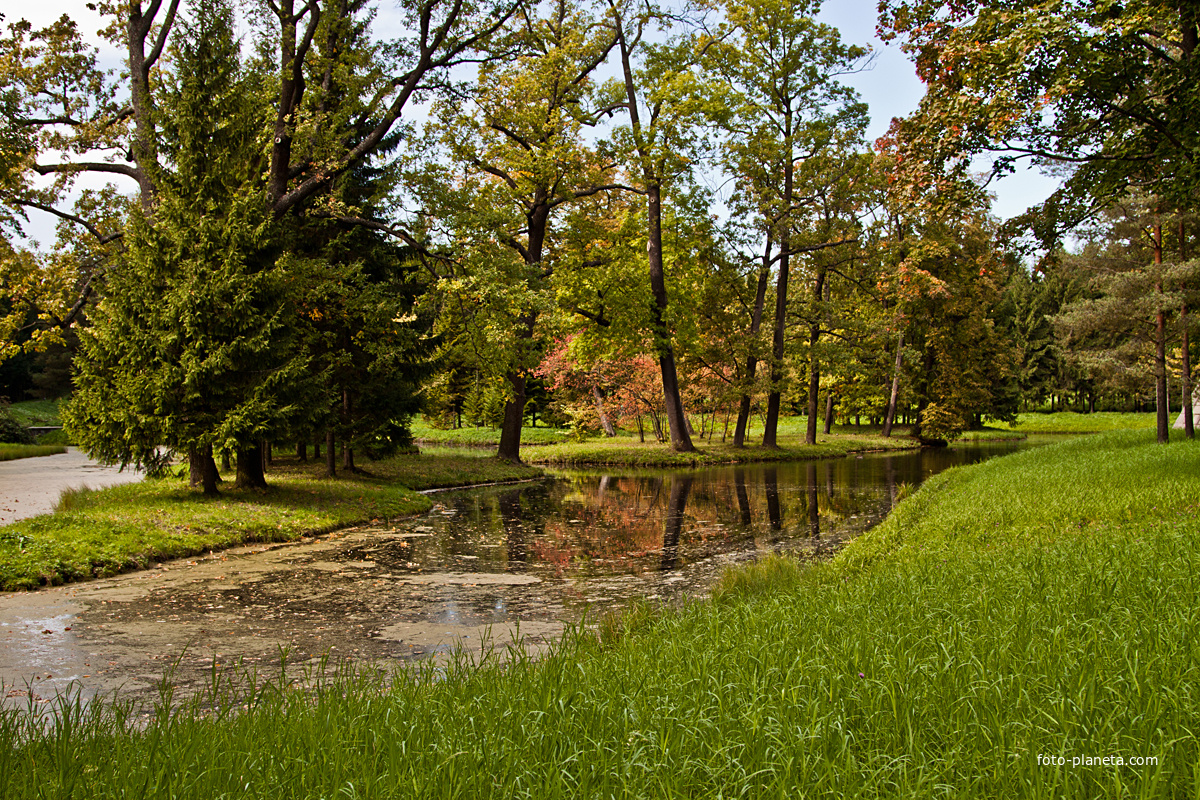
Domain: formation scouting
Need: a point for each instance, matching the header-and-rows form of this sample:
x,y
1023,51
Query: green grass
x,y
36,413
1073,422
1042,603
11,452
106,531
626,450
481,437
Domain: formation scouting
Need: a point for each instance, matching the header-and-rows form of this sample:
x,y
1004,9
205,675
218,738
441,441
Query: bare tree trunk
x,y
1189,424
890,418
330,455
208,472
828,414
771,425
814,367
195,467
605,422
680,440
302,450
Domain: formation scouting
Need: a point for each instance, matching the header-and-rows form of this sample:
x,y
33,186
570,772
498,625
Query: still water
x,y
484,568
603,537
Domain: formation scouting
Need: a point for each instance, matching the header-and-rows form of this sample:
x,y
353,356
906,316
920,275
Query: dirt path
x,y
31,486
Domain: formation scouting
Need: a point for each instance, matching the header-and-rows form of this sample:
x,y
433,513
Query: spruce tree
x,y
192,346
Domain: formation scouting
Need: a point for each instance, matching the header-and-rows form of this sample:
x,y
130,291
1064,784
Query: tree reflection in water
x,y
589,524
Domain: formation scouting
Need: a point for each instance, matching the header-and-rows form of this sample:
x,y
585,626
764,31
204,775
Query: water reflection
x,y
590,524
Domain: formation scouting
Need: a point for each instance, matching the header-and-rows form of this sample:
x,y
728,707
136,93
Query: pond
x,y
486,565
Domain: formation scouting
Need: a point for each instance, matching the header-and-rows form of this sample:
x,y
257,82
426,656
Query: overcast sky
x,y
891,87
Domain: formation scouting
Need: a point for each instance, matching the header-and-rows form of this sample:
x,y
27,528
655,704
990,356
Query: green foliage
x,y
194,343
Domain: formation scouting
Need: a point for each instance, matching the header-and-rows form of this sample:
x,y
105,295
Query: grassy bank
x,y
625,450
36,413
106,531
11,452
1072,422
1042,604
422,431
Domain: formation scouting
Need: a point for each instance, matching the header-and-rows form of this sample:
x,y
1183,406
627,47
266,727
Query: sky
x,y
890,87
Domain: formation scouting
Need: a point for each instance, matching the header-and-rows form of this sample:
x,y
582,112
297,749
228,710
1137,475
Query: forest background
x,y
622,214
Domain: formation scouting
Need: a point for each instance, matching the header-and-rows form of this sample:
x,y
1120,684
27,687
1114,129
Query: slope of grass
x,y
1042,605
1073,422
484,437
124,527
36,413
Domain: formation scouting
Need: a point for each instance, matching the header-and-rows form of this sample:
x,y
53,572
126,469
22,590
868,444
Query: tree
x,y
1105,89
191,348
787,106
1125,327
518,145
662,100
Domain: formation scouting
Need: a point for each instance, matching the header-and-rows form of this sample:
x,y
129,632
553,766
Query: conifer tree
x,y
191,347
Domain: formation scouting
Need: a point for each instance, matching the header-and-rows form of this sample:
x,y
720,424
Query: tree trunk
x,y
514,416
771,424
1160,351
302,450
195,467
250,467
760,299
605,422
680,441
330,455
828,415
890,418
1189,424
347,414
208,472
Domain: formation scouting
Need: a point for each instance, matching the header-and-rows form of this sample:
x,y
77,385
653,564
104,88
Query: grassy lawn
x,y
11,452
103,532
1073,422
1040,604
627,450
36,413
480,437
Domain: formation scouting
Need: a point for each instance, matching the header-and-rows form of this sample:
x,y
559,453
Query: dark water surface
x,y
499,563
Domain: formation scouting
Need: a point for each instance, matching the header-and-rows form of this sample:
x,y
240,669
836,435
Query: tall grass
x,y
1041,604
12,452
